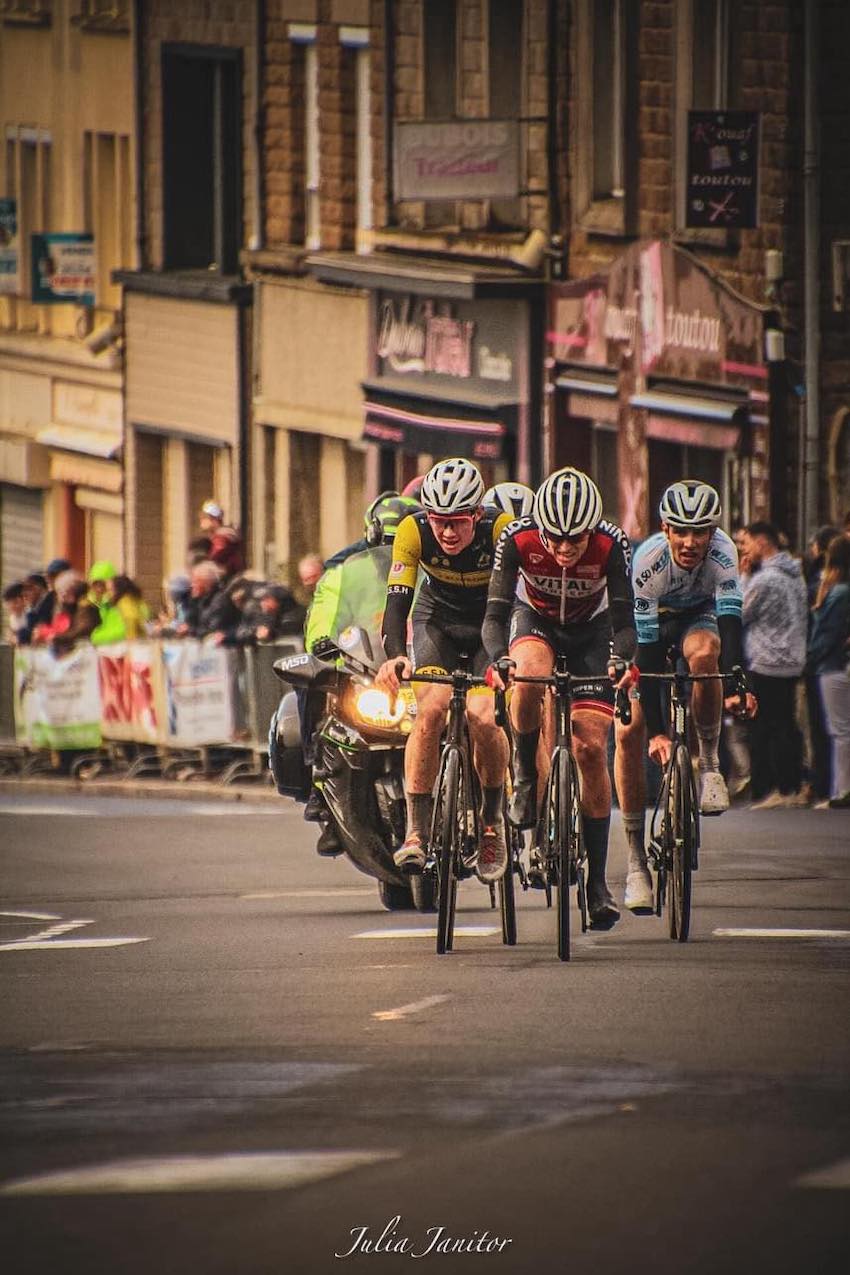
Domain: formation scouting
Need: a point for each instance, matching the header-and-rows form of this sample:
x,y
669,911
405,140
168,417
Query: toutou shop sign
x,y
723,154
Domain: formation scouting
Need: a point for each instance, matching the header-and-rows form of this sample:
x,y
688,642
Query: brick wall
x,y
226,23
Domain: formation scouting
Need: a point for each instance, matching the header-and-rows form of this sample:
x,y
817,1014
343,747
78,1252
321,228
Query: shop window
x,y
202,178
606,55
505,38
28,165
107,206
440,72
707,73
603,468
357,146
35,12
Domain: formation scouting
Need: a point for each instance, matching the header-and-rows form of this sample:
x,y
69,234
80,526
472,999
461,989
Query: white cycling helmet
x,y
452,487
690,503
510,498
568,503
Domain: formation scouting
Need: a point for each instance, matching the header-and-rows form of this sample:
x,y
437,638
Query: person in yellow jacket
x,y
125,618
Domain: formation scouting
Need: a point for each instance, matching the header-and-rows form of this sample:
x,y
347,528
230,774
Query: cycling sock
x,y
709,738
596,843
526,753
634,824
419,808
491,805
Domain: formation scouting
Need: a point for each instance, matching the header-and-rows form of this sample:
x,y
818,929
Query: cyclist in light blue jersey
x,y
688,596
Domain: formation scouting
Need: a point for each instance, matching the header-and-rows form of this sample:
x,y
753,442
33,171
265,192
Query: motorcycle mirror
x,y
326,649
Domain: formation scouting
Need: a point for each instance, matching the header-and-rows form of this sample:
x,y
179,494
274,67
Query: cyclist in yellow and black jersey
x,y
453,542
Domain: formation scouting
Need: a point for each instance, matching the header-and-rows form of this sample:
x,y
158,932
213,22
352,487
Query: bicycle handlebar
x,y
461,678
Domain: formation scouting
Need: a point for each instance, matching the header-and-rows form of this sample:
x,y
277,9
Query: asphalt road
x,y
216,1058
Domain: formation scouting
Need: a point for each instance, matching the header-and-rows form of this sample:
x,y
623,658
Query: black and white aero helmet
x,y
690,503
568,503
509,498
452,487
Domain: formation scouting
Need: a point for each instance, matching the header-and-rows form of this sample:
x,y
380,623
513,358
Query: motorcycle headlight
x,y
373,706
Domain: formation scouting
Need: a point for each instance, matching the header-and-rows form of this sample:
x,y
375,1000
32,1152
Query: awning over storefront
x,y
696,422
423,276
89,442
437,427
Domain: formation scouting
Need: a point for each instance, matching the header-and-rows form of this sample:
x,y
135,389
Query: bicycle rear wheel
x,y
682,841
445,840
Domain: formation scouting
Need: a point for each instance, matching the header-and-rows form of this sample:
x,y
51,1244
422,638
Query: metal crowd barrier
x,y
176,709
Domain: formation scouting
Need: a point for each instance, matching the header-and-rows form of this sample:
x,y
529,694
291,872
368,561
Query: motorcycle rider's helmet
x,y
452,487
690,504
384,516
509,498
567,503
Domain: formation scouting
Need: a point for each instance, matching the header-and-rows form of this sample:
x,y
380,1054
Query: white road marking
x,y
461,931
34,916
47,940
780,934
263,1171
135,807
404,1011
50,945
836,1177
341,892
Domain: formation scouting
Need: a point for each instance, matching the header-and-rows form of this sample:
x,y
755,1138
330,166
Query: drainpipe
x,y
811,193
260,129
139,95
389,106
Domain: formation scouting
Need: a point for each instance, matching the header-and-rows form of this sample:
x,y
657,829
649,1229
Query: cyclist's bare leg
x,y
489,742
422,756
590,744
701,649
533,659
630,779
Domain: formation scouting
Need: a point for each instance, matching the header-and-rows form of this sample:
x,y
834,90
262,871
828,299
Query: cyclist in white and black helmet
x,y
452,541
509,498
687,595
560,585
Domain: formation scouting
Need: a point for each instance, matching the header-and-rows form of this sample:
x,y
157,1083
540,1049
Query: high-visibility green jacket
x,y
352,593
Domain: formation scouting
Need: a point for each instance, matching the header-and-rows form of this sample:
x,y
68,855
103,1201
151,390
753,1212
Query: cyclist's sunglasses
x,y
440,521
549,539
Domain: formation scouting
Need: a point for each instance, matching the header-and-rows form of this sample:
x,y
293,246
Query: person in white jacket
x,y
775,628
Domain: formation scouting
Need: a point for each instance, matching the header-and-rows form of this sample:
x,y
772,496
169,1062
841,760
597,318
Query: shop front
x,y
453,356
186,415
658,372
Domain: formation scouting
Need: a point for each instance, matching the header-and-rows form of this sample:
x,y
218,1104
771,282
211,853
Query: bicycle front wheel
x,y
507,896
682,842
560,830
446,843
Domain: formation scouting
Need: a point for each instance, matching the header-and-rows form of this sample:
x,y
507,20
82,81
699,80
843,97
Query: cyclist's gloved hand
x,y
500,675
387,677
738,698
622,673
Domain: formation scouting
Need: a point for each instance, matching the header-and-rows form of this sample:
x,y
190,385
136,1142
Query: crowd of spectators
x,y
213,600
796,751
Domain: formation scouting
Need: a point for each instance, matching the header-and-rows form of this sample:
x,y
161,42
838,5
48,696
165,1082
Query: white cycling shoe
x,y
713,795
410,856
638,897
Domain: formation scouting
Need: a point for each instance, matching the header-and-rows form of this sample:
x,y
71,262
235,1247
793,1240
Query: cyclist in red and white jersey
x,y
561,584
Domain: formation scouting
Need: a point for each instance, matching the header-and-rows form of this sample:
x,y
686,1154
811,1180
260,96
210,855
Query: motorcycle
x,y
359,761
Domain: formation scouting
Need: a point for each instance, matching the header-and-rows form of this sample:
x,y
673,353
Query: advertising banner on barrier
x,y
198,693
129,674
57,698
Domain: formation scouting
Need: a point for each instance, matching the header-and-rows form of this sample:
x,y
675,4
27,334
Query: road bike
x,y
456,823
561,854
674,838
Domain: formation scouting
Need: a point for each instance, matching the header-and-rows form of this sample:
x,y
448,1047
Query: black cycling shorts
x,y
586,646
437,648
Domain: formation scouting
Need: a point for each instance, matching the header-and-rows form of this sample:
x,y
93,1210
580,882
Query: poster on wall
x,y
459,159
63,269
723,156
9,246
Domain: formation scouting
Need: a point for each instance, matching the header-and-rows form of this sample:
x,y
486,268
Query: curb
x,y
162,789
